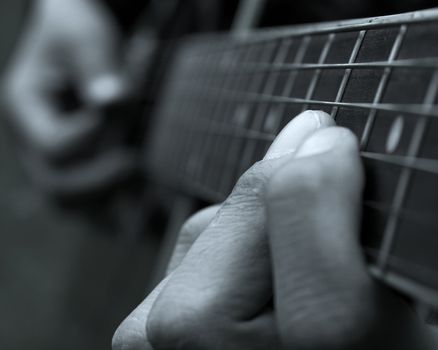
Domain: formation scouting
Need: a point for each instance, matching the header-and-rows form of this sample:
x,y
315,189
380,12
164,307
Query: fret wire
x,y
421,164
188,92
382,85
187,111
317,73
281,51
199,140
264,87
390,107
224,114
214,111
187,116
288,86
406,108
413,63
202,166
389,235
346,77
301,51
257,123
234,144
171,147
335,27
287,89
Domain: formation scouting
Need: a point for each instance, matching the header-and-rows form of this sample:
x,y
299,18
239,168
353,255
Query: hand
x,y
70,42
288,233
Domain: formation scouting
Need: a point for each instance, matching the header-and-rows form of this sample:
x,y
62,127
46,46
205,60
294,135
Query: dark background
x,y
65,282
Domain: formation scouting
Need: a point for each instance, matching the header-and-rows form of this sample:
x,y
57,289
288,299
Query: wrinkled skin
x,y
289,233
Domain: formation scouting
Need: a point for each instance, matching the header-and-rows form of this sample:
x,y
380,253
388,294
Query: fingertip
x,y
326,139
297,131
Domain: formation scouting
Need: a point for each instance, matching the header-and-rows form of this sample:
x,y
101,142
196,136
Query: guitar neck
x,y
228,97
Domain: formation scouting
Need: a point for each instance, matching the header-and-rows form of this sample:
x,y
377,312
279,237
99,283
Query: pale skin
x,y
70,40
289,233
72,43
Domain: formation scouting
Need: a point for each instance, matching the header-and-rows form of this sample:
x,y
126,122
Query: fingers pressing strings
x,y
324,296
218,294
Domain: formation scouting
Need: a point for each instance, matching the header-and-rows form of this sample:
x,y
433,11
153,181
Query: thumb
x,y
324,297
95,59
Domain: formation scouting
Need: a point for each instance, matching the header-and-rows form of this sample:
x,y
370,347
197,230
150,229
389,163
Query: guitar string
x,y
412,63
347,73
241,111
407,163
416,163
406,108
257,121
317,73
298,57
260,36
241,115
421,164
238,114
405,178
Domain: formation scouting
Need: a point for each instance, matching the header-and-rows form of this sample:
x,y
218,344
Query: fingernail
x,y
323,141
297,131
104,89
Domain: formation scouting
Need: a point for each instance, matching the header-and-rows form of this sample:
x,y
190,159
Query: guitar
x,y
228,96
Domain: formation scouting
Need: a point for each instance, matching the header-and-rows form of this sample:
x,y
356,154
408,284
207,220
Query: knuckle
x,y
253,181
175,324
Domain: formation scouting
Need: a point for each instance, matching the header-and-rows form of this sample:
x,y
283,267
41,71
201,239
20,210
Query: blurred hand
x,y
67,43
278,265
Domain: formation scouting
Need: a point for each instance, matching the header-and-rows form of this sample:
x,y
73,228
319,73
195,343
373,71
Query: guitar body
x,y
228,96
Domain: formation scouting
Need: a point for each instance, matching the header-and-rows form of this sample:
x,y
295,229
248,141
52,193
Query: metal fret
x,y
217,112
200,140
408,108
189,113
413,63
234,145
287,89
347,73
380,89
261,110
227,180
404,180
200,175
422,16
317,73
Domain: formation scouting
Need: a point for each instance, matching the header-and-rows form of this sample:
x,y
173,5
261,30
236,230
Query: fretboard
x,y
227,98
